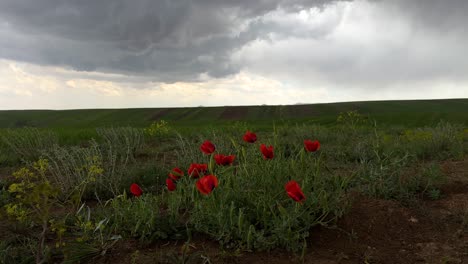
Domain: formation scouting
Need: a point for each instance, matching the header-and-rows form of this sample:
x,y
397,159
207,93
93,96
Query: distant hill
x,y
410,112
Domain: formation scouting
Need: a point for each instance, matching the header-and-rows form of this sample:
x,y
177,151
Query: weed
x,y
34,197
142,218
441,142
160,129
85,171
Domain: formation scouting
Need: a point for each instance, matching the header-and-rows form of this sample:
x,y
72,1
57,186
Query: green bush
x,y
160,129
99,170
390,177
143,218
440,142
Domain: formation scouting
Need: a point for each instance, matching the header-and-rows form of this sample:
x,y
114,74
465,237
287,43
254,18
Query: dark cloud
x,y
443,16
170,39
375,46
177,40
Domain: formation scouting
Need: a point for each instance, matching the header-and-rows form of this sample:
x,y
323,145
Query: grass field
x,y
363,182
407,113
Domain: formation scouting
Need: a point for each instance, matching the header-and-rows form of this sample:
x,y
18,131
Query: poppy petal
x,y
294,191
311,146
249,137
207,147
206,184
171,186
136,190
267,151
176,174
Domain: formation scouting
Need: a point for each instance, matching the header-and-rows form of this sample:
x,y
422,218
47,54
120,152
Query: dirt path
x,y
374,231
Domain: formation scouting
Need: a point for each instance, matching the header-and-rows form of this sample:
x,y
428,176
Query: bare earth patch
x,y
234,113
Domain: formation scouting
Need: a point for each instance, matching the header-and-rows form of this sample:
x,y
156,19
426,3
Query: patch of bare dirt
x,y
234,113
160,114
301,111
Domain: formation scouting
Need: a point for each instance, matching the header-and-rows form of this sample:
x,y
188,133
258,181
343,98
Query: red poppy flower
x,y
250,137
294,191
171,186
311,146
206,184
207,147
195,170
135,189
176,174
267,151
224,160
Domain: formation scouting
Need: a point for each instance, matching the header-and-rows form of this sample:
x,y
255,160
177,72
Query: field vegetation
x,y
163,192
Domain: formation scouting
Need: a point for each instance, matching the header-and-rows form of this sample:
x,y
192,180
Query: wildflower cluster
x,y
206,183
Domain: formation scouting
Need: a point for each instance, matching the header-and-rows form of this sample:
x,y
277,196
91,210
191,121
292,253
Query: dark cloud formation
x,y
443,16
170,39
177,40
377,45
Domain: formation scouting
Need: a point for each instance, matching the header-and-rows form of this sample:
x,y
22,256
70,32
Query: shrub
x,y
158,129
94,170
72,169
93,237
443,141
123,142
143,218
389,177
34,197
99,169
351,119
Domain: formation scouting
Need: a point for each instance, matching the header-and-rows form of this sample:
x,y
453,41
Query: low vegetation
x,y
74,200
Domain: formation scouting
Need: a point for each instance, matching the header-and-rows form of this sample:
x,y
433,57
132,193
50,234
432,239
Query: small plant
x,y
34,197
80,252
158,129
433,193
94,237
134,257
388,176
75,170
351,119
441,142
186,256
142,218
17,249
87,172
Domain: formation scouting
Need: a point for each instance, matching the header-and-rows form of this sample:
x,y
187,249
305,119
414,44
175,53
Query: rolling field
x,y
318,183
407,113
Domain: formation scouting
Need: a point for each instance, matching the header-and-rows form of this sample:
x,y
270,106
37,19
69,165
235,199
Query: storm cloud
x,y
334,50
172,40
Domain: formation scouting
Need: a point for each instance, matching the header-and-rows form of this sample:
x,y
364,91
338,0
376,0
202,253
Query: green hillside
x,y
412,113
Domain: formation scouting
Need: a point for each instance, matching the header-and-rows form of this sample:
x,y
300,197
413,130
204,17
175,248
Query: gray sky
x,y
61,54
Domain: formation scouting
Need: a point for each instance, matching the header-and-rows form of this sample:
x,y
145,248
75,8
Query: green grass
x,y
409,113
250,209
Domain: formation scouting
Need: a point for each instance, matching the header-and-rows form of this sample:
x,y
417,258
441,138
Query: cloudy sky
x,y
63,54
